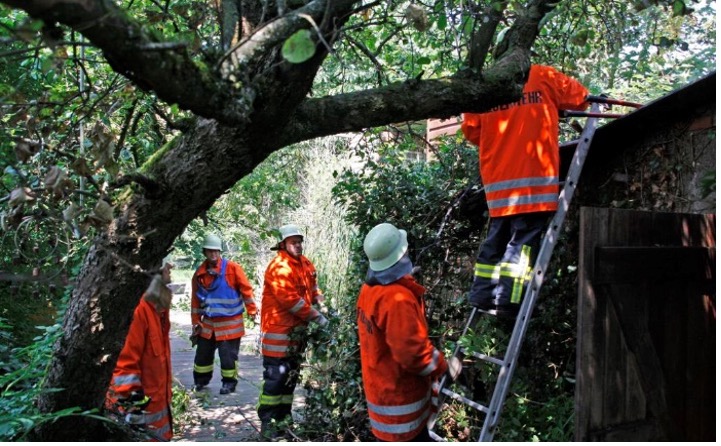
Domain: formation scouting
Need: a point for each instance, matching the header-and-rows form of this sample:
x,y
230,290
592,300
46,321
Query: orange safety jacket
x,y
518,143
290,288
224,328
144,364
398,361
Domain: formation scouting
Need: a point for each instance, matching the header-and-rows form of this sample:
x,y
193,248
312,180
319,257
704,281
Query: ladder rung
x,y
483,357
464,400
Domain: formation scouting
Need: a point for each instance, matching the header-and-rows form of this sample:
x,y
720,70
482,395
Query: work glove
x,y
136,402
321,320
455,366
194,335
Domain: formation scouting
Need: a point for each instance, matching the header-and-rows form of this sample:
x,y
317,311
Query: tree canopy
x,y
126,120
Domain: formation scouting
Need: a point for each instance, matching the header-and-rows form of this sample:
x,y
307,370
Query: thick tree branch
x,y
276,31
482,38
151,64
440,98
407,101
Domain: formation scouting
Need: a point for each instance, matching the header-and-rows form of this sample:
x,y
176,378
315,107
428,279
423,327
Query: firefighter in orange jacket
x,y
221,294
399,363
519,158
140,388
289,291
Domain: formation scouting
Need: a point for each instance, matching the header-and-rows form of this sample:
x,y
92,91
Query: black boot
x,y
227,388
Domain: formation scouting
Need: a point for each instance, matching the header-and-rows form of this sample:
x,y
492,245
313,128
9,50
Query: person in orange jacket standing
x,y
398,362
290,289
140,389
221,294
519,158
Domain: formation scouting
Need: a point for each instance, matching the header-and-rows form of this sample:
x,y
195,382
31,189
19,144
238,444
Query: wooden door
x,y
646,347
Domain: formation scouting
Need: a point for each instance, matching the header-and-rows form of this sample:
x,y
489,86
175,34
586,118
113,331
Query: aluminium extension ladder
x,y
507,365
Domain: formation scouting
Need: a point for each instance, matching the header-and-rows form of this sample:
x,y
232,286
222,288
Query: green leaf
x,y
442,21
679,7
299,47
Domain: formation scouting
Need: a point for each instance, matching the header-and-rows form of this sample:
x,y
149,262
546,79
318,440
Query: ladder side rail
x,y
544,256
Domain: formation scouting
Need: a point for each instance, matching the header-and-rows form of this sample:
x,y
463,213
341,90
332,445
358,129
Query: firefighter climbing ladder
x,y
508,364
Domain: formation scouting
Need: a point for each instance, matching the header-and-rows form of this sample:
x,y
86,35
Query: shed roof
x,y
684,103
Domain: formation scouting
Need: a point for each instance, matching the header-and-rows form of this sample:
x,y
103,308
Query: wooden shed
x,y
646,336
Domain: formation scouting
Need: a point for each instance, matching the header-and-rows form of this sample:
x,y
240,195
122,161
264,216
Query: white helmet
x,y
385,245
285,232
213,242
289,231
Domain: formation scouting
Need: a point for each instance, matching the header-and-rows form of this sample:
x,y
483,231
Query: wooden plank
x,y
442,127
626,264
588,398
630,302
615,373
700,376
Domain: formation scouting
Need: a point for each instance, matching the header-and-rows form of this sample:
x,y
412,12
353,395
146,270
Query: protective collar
x,y
389,275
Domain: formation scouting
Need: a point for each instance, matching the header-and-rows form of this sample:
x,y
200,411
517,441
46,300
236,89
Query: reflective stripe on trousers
x,y
205,354
506,258
519,274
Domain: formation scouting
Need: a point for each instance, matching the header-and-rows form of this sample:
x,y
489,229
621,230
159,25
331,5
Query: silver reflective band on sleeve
x,y
122,380
298,306
313,314
521,182
433,365
514,201
403,428
405,409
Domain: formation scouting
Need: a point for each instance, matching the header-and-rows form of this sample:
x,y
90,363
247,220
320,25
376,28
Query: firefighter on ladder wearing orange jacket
x,y
290,289
399,363
221,294
140,389
519,159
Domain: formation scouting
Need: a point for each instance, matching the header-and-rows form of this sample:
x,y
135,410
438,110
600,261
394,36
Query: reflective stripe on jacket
x,y
214,295
398,361
289,289
518,143
144,364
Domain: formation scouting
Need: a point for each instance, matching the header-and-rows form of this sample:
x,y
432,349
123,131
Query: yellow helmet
x,y
385,245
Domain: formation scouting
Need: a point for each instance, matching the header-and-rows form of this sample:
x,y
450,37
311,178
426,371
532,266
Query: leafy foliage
x,y
22,372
